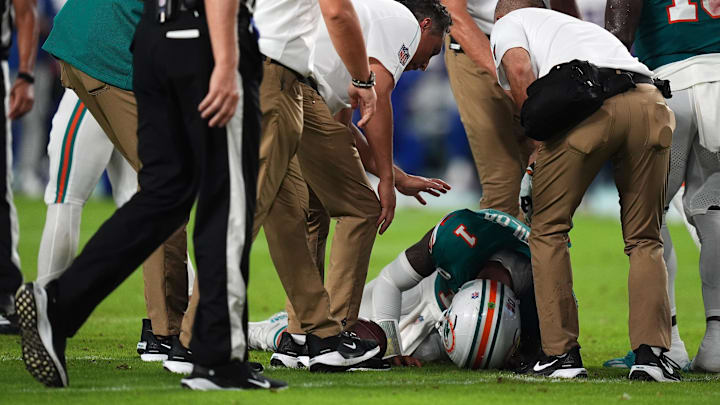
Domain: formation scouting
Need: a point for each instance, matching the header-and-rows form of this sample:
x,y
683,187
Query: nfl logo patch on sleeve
x,y
403,54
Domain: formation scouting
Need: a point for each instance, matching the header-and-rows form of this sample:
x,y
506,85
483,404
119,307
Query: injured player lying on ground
x,y
464,293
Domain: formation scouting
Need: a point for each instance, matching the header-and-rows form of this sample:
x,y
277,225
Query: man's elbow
x,y
336,12
518,72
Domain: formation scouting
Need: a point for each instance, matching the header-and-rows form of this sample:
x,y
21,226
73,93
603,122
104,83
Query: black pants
x,y
183,160
10,276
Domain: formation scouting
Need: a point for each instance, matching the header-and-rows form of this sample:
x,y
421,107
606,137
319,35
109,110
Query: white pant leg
x,y
123,178
78,152
702,191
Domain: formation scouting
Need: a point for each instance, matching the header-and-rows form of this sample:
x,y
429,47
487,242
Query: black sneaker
x,y
568,365
290,354
43,353
372,364
649,367
339,353
232,376
150,348
179,358
8,315
256,367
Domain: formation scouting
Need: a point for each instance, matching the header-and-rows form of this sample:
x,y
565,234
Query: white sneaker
x,y
265,335
708,356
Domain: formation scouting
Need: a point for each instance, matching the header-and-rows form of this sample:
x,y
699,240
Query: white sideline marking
x,y
91,358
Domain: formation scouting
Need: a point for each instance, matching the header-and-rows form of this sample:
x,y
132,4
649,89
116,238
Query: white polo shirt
x,y
391,34
483,13
288,29
552,38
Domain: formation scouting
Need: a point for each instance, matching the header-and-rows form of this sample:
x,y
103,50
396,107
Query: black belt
x,y
310,81
455,45
636,77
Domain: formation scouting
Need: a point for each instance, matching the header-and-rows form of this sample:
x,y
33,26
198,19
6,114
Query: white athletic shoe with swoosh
x,y
568,365
339,353
235,375
651,367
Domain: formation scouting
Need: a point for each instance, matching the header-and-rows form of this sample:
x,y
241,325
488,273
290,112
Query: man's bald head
x,y
505,6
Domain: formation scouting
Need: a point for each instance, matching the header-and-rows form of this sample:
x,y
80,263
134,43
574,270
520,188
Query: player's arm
x,y
347,38
406,184
519,72
379,133
475,44
402,274
622,18
22,95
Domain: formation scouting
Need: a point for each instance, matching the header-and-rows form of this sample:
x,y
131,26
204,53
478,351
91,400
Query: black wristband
x,y
26,76
365,84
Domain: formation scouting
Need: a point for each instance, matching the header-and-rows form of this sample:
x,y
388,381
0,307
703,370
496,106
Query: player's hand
x,y
386,191
366,99
223,94
406,361
412,186
22,97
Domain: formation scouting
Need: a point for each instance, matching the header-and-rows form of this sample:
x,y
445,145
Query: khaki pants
x,y
633,130
493,131
282,203
165,271
332,168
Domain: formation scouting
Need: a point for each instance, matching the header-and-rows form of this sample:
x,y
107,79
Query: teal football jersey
x,y
94,36
464,240
674,30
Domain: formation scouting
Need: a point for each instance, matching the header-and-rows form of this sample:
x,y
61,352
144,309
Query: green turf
x,y
104,368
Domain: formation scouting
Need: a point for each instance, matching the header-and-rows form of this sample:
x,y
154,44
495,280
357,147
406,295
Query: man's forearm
x,y
366,154
464,30
518,69
222,25
379,136
347,37
27,33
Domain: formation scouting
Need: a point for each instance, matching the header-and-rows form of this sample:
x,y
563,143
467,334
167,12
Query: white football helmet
x,y
481,328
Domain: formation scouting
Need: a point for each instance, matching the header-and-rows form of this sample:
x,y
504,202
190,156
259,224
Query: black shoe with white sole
x,y
236,375
339,353
372,364
256,367
43,352
650,367
179,358
8,315
568,365
150,348
290,354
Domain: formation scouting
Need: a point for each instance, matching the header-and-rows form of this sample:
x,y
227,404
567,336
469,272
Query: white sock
x,y
59,241
299,338
676,334
657,350
671,263
708,226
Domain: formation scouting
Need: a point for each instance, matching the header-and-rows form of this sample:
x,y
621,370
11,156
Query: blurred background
x,y
429,137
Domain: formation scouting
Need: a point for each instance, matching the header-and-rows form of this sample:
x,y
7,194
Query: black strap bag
x,y
567,95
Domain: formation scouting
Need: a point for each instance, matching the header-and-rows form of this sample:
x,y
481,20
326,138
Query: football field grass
x,y
105,369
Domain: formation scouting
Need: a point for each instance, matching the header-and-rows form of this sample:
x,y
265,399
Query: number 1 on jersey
x,y
462,232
